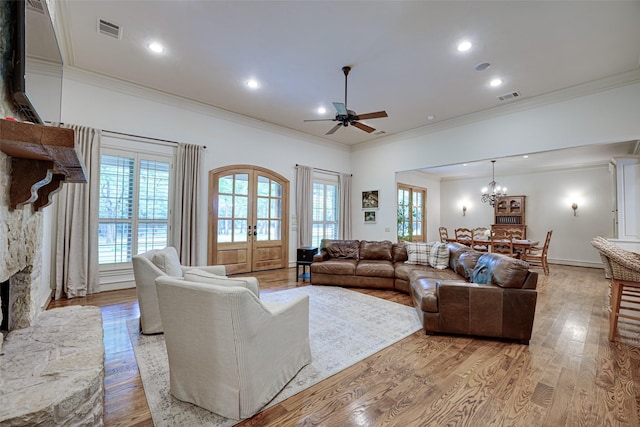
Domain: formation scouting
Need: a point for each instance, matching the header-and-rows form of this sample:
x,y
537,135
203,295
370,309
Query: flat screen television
x,y
36,81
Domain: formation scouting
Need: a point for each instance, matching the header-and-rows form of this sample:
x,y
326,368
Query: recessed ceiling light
x,y
321,110
495,82
483,66
155,47
253,84
464,164
525,156
431,117
464,46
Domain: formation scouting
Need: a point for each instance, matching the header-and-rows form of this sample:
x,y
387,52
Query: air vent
x,y
36,6
109,29
508,96
380,132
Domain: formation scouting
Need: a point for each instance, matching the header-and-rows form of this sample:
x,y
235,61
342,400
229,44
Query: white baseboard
x,y
114,286
575,263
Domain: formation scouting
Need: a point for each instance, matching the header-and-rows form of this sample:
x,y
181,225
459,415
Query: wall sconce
x,y
464,211
574,206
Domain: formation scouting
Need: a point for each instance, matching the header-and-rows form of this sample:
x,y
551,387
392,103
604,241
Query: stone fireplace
x,y
20,255
52,363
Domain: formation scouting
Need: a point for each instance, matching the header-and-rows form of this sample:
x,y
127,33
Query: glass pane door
x,y
233,213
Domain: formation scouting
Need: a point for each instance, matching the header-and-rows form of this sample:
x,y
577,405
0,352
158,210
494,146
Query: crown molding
x,y
131,89
550,98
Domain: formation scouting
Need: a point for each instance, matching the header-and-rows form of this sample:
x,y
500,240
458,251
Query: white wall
x,y
548,207
601,117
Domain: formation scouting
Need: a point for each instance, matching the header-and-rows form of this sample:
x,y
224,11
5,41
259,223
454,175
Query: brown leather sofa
x,y
501,303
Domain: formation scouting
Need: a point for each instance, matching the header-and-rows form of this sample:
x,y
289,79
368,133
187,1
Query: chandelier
x,y
493,192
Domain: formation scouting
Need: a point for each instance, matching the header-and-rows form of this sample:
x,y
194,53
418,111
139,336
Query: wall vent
x,y
509,96
36,5
109,29
380,132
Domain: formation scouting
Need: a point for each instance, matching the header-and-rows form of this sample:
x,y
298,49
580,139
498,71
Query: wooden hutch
x,y
509,214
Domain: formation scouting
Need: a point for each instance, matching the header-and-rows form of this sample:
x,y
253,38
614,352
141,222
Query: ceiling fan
x,y
348,117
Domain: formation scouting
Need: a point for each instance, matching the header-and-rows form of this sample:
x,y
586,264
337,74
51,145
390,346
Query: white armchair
x,y
229,352
146,268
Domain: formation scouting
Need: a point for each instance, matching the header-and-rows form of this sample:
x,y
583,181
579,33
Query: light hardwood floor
x,y
569,375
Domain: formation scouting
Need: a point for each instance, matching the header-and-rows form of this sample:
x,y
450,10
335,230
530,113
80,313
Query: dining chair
x,y
479,240
624,267
537,256
502,243
464,236
444,234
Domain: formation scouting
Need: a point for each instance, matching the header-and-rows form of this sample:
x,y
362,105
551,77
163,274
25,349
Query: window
x,y
325,211
134,205
411,213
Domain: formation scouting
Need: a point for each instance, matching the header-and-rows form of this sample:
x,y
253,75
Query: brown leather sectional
x,y
500,304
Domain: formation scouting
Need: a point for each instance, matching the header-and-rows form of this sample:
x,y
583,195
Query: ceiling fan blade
x,y
376,115
340,108
319,120
333,129
363,127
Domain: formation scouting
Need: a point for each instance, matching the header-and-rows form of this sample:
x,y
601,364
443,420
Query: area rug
x,y
345,327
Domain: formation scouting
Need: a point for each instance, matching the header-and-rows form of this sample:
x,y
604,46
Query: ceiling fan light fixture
x,y
345,116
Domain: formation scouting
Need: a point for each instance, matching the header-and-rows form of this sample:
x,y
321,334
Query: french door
x,y
248,219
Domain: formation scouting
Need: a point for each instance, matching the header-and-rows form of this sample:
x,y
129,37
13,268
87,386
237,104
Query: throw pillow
x,y
167,260
439,256
201,276
417,253
481,274
466,263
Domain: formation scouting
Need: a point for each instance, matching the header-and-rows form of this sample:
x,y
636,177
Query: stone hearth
x,y
52,373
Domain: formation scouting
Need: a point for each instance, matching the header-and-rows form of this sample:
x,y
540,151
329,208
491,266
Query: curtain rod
x,y
139,136
325,170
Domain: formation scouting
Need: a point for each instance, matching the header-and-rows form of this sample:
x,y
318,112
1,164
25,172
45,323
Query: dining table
x,y
519,245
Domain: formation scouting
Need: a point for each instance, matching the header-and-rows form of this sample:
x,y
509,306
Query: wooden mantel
x,y
42,159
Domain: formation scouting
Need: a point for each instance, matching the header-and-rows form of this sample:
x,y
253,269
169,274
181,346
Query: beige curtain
x,y
304,204
344,231
75,246
186,218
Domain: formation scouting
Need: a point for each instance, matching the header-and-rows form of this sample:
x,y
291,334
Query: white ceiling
x,y
578,157
402,53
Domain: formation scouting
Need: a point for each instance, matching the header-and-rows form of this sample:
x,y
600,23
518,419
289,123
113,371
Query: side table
x,y
304,259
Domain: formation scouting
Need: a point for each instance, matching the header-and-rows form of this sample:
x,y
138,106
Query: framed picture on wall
x,y
370,199
369,217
